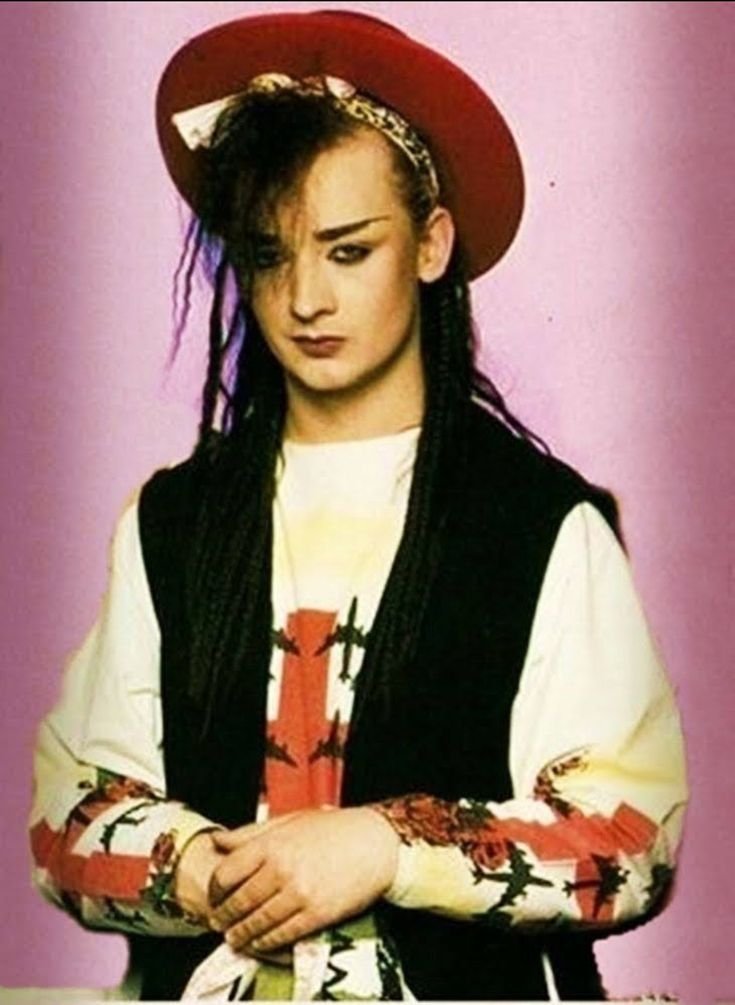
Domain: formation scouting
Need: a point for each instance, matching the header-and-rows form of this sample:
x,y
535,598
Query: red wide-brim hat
x,y
474,151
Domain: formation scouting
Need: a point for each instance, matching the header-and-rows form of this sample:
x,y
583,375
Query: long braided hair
x,y
261,147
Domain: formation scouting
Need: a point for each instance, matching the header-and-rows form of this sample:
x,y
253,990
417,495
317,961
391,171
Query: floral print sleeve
x,y
104,836
590,836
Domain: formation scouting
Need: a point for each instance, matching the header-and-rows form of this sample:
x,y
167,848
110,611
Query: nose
x,y
311,292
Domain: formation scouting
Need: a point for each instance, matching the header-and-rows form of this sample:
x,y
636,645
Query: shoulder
x,y
177,501
173,494
525,485
178,479
587,549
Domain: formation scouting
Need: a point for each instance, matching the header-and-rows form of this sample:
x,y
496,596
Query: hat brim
x,y
474,150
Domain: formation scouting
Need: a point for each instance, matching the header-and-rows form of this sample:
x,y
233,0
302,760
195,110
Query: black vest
x,y
448,726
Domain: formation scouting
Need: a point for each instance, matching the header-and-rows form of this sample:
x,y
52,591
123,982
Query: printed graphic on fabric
x,y
305,744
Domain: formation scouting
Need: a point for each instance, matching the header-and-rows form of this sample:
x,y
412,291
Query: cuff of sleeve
x,y
435,879
429,875
426,874
398,892
169,846
187,824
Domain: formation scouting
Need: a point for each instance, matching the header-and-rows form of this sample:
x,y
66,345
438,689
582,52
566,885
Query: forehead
x,y
353,179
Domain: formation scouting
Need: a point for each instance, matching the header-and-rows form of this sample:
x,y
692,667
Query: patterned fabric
x,y
605,868
107,847
588,840
197,126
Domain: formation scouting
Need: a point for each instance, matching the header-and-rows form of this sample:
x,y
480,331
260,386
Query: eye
x,y
350,254
267,252
266,258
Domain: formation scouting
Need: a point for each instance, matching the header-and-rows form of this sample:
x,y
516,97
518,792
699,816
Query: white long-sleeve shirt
x,y
596,751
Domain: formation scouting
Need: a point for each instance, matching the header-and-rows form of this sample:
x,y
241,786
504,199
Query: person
x,y
371,708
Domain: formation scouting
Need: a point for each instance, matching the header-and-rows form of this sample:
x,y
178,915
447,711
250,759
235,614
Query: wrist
x,y
198,860
388,840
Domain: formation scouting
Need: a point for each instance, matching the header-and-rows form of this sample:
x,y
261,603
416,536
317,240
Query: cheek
x,y
391,289
266,305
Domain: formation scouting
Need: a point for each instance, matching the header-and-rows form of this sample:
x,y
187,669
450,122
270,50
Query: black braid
x,y
213,379
439,464
184,274
229,571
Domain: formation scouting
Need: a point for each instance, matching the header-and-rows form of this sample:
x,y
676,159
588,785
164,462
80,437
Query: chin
x,y
327,388
326,385
320,378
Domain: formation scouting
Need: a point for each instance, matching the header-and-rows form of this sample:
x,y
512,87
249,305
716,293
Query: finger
x,y
227,840
272,913
283,957
244,900
285,934
237,868
230,839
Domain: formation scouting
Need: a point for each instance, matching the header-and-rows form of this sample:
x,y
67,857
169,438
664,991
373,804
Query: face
x,y
336,285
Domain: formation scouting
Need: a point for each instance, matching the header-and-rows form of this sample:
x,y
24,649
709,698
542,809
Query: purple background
x,y
608,326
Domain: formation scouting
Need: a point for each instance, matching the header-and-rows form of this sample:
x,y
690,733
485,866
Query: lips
x,y
322,345
316,338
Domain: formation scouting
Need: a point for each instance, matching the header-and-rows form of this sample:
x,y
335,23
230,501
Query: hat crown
x,y
359,16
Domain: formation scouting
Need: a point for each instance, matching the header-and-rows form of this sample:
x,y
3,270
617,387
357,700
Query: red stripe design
x,y
628,832
580,837
100,874
302,721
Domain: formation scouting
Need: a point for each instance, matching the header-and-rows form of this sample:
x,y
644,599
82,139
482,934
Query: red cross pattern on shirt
x,y
303,765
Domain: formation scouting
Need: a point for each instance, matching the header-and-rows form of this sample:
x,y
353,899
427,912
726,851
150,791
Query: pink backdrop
x,y
608,326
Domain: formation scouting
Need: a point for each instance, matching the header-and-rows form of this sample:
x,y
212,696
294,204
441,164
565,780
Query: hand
x,y
299,873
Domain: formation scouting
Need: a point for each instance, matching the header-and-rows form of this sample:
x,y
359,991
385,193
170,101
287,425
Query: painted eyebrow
x,y
330,233
333,233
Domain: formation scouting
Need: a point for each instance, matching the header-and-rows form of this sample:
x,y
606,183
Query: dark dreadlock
x,y
261,148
